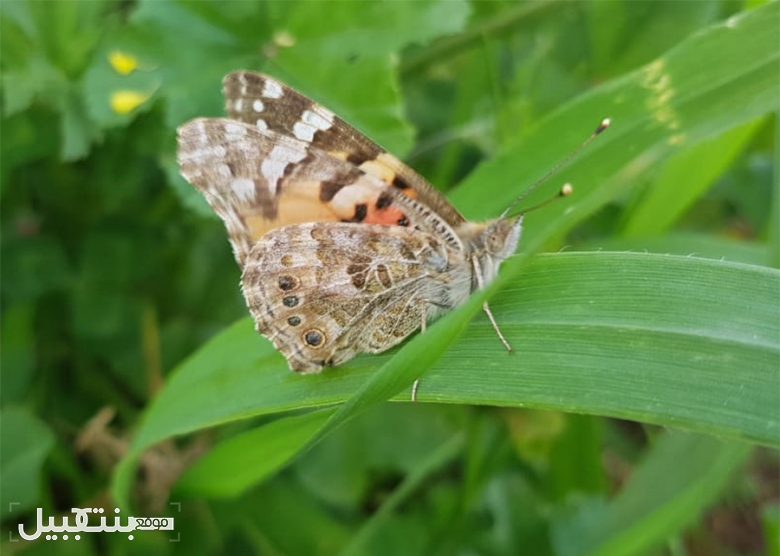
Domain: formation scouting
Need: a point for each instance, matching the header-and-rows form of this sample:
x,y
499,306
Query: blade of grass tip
x,y
444,454
123,481
244,460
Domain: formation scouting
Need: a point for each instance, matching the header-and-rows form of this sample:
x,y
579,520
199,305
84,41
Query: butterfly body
x,y
343,248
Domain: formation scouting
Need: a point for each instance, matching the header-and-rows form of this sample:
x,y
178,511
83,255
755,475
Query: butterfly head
x,y
494,239
499,237
490,243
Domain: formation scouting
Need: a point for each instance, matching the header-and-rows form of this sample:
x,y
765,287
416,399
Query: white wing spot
x,y
243,189
304,132
236,131
273,166
238,105
258,106
261,125
318,118
272,89
224,171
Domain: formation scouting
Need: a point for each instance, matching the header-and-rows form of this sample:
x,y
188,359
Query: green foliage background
x,y
657,301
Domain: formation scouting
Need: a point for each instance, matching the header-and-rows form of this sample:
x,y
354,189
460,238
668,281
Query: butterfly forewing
x,y
264,102
257,181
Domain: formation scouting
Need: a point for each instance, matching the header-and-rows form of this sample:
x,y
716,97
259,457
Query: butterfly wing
x,y
324,292
257,181
266,103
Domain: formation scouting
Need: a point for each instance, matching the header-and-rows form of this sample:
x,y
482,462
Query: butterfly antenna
x,y
566,189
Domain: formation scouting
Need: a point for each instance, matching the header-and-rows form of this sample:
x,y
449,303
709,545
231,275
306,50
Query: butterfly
x,y
344,249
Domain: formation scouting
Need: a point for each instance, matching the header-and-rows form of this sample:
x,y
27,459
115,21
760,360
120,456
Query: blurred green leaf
x,y
340,471
17,358
440,456
691,93
38,266
110,264
696,167
771,524
50,46
66,32
680,477
644,29
176,55
575,462
282,518
24,444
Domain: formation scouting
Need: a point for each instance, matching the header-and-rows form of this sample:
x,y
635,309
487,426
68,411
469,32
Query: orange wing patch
x,y
257,181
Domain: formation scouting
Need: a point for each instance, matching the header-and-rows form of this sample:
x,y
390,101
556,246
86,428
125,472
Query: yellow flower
x,y
123,102
122,63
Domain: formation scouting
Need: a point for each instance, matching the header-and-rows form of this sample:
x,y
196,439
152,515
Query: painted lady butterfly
x,y
344,249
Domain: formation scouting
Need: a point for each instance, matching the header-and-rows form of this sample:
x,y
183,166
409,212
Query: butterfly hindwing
x,y
324,292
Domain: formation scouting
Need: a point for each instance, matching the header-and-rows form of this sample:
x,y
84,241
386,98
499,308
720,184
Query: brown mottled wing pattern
x,y
257,181
324,292
264,102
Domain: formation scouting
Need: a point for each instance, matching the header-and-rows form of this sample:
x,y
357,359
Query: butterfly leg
x,y
486,307
417,382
